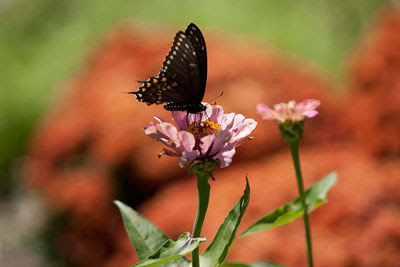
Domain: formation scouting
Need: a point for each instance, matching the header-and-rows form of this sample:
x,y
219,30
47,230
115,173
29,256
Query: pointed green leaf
x,y
171,250
179,262
217,251
145,236
316,195
253,264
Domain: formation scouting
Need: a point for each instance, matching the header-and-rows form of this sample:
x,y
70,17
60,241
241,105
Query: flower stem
x,y
294,149
203,190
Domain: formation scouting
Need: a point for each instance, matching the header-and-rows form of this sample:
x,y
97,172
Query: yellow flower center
x,y
203,128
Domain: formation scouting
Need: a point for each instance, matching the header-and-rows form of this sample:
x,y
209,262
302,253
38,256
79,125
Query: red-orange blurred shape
x,y
374,75
90,148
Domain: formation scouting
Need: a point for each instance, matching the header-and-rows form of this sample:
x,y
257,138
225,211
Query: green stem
x,y
294,149
203,189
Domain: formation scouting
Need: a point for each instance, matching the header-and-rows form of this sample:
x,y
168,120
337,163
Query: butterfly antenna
x,y
205,114
221,94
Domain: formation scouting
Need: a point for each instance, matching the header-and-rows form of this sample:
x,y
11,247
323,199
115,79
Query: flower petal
x,y
187,140
248,125
221,138
151,130
217,114
206,143
308,104
237,121
262,108
227,121
159,119
164,132
225,156
180,119
168,130
209,109
308,107
266,112
310,113
188,157
171,153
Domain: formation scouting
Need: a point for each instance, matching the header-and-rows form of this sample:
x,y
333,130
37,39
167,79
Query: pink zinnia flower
x,y
201,138
289,112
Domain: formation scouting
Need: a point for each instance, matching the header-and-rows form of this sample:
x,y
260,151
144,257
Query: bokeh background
x,y
70,142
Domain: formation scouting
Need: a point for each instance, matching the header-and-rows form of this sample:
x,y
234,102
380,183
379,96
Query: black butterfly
x,y
181,82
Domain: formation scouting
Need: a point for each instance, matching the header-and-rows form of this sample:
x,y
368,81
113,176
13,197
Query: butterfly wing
x,y
181,81
196,37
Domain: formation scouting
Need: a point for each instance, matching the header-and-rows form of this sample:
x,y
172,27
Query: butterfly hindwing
x,y
153,90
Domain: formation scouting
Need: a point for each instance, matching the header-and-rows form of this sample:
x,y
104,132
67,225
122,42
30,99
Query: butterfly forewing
x,y
197,39
176,67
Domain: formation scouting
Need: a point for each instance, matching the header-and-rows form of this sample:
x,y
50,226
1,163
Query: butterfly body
x,y
182,79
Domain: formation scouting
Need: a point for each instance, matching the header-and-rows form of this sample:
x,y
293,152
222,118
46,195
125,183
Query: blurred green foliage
x,y
45,242
43,41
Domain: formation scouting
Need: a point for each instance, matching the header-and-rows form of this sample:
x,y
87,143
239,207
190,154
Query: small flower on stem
x,y
203,137
290,117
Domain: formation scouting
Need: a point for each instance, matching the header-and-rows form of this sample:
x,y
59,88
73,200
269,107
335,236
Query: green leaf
x,y
217,251
316,195
171,250
253,264
152,245
179,262
145,236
